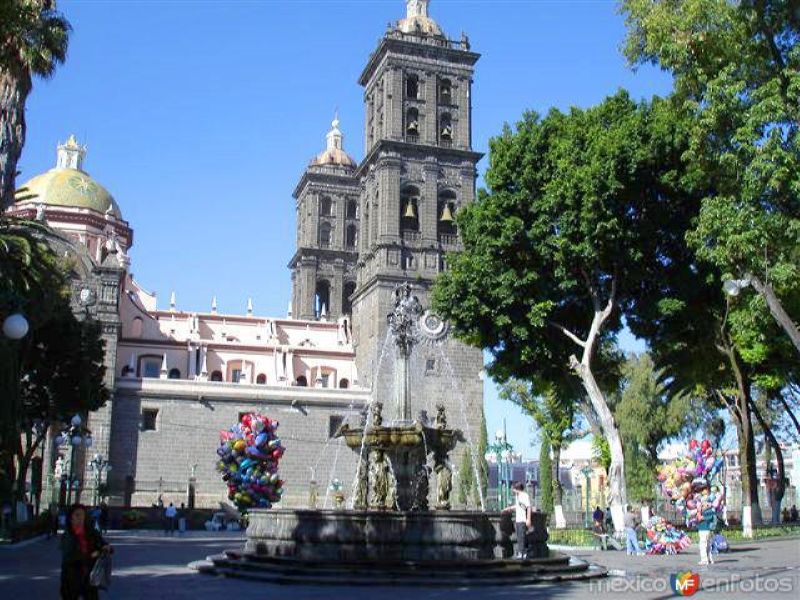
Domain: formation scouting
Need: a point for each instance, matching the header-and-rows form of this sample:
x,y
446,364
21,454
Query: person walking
x,y
81,546
522,517
170,513
104,517
598,515
631,543
609,520
705,527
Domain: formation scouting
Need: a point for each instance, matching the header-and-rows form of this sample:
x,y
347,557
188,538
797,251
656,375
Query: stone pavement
x,y
148,564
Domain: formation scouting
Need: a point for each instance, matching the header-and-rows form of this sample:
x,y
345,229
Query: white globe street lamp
x,y
15,327
732,287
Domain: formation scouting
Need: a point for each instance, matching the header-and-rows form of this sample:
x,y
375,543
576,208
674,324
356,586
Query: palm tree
x,y
33,41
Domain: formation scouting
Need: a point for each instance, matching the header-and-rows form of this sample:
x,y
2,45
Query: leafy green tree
x,y
32,282
33,42
736,67
468,492
62,374
647,412
577,210
685,321
57,370
546,476
553,412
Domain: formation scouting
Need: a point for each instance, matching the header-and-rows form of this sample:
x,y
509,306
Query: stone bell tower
x,y
323,267
419,168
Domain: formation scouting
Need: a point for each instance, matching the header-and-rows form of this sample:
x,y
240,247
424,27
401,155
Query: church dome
x,y
335,156
334,153
67,185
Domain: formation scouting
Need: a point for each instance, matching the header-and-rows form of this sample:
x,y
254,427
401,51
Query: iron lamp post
x,y
501,453
587,472
76,434
98,465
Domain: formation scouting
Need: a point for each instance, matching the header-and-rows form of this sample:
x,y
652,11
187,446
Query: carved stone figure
x,y
444,485
379,476
441,417
377,417
362,485
421,488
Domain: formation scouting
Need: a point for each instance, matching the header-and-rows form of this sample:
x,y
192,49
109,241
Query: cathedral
x,y
179,377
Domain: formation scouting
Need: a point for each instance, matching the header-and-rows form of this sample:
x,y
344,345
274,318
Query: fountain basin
x,y
410,436
379,536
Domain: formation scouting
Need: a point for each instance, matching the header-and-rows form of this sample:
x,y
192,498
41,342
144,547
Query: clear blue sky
x,y
201,116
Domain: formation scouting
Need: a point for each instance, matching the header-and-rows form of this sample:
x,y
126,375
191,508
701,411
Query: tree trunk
x,y
776,308
780,489
558,490
13,94
9,417
789,411
740,411
751,509
617,494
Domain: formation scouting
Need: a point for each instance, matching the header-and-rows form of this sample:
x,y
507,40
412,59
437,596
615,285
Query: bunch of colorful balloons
x,y
249,453
664,538
694,482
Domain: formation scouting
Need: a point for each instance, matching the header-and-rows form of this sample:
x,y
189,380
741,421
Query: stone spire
x,y
249,307
335,136
214,305
70,155
417,21
417,8
172,302
334,153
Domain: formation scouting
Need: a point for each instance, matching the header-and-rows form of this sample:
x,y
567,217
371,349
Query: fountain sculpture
x,y
401,528
393,471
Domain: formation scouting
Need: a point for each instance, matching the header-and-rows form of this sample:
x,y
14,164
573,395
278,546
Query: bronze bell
x,y
447,215
411,212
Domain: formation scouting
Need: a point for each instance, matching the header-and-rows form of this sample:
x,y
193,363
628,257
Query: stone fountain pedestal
x,y
424,548
328,535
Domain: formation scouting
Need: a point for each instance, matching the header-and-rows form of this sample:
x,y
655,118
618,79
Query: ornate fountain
x,y
401,528
393,470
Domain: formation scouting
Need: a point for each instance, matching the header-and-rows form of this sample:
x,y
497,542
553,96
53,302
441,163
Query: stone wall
x,y
186,437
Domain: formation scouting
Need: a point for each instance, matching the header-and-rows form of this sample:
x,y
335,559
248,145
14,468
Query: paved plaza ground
x,y
148,565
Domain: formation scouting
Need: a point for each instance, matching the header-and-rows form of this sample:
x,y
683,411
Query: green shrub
x,y
133,519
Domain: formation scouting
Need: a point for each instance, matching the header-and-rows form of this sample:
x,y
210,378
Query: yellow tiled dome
x,y
68,187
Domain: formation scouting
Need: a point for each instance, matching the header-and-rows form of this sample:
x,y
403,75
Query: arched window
x,y
446,209
446,128
412,86
351,236
322,297
261,379
347,297
325,235
326,206
352,209
409,209
174,374
344,384
216,376
445,92
301,381
137,327
412,124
